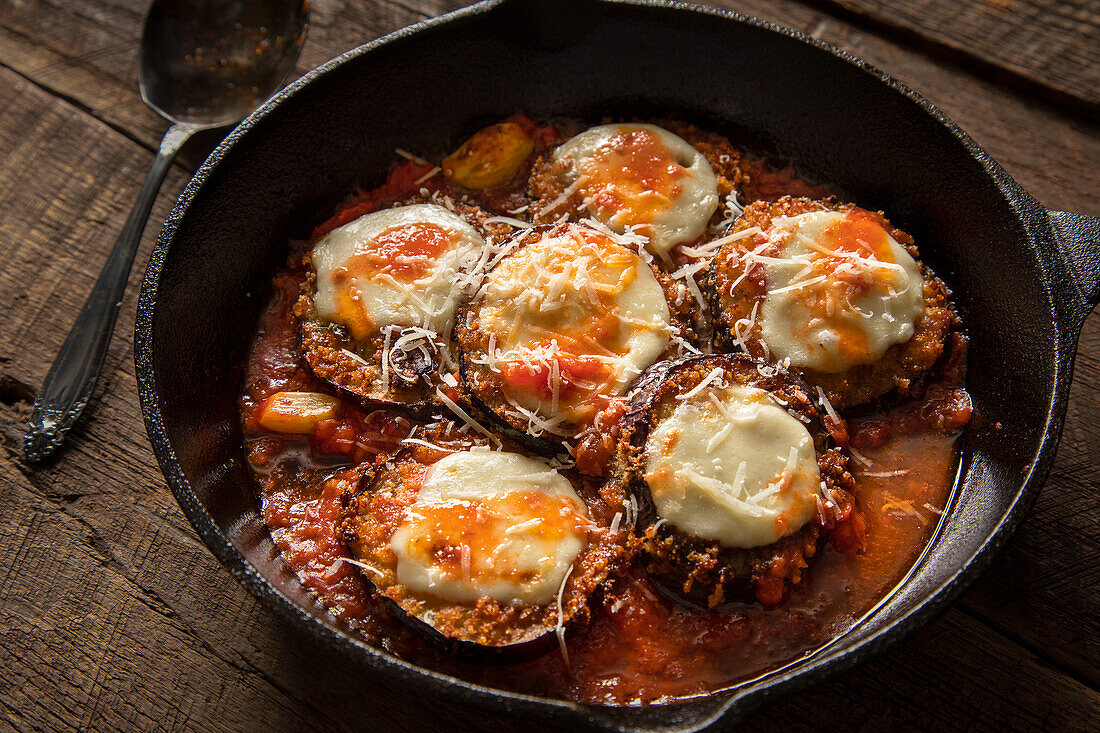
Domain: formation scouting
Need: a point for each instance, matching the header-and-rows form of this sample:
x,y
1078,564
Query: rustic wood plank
x,y
1018,692
75,49
64,197
114,612
1047,47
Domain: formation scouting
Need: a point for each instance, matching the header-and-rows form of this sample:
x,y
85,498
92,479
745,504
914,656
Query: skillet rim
x,y
1044,247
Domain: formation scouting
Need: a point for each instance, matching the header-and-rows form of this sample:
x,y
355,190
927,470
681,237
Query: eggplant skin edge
x,y
322,345
704,572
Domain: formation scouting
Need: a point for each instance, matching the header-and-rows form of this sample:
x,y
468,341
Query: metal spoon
x,y
204,64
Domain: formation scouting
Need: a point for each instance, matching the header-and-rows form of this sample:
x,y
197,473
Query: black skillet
x,y
1025,277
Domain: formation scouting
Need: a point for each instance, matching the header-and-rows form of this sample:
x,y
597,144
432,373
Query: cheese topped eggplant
x,y
395,267
832,291
636,177
378,306
563,323
840,290
733,468
730,464
485,553
493,524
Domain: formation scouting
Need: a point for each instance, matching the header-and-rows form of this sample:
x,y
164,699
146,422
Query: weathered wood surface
x,y
1047,46
113,615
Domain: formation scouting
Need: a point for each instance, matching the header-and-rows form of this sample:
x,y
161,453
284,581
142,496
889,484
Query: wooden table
x,y
114,615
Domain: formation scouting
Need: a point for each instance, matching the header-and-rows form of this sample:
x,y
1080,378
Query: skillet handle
x,y
1078,239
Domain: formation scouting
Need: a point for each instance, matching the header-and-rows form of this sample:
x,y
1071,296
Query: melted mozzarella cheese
x,y
840,291
490,524
395,267
642,176
730,465
576,317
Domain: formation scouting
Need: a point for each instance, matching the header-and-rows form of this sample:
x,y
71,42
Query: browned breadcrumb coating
x,y
900,368
705,571
725,160
377,506
356,365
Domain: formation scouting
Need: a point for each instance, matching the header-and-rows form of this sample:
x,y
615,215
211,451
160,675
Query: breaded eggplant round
x,y
563,323
734,474
379,299
834,289
635,177
487,554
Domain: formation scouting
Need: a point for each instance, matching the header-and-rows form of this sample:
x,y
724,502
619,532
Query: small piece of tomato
x,y
850,535
349,214
576,372
400,183
769,591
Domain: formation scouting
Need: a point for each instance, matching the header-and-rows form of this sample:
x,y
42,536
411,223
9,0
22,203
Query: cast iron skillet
x,y
1025,278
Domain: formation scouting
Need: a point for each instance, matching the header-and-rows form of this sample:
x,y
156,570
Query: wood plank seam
x,y
1023,643
410,9
162,608
110,562
79,105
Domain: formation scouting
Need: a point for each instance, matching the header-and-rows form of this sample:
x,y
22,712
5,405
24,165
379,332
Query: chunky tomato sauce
x,y
640,646
638,165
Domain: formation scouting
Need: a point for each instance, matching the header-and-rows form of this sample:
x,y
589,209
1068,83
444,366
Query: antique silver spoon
x,y
204,64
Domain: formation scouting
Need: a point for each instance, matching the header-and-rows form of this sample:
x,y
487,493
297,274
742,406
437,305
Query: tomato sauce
x,y
634,173
641,645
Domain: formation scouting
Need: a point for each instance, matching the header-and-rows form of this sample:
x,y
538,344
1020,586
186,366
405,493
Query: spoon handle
x,y
71,380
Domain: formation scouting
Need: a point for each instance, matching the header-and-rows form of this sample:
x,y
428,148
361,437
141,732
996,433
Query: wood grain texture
x,y
1048,47
113,615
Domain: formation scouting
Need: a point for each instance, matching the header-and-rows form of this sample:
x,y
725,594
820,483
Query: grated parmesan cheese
x,y
465,417
828,406
559,629
430,174
363,565
712,377
409,156
386,361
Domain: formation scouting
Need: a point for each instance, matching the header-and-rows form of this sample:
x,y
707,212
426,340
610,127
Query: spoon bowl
x,y
210,62
204,64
